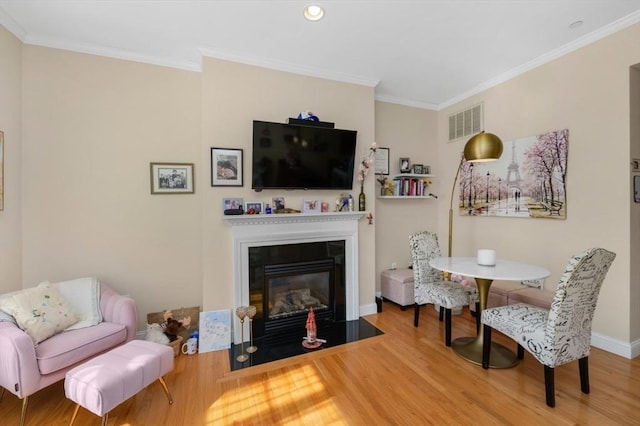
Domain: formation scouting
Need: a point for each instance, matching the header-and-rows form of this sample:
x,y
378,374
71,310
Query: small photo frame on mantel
x,y
253,207
311,206
226,167
171,178
418,169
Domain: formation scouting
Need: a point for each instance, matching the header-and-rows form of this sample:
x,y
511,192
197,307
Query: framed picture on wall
x,y
382,161
226,167
171,178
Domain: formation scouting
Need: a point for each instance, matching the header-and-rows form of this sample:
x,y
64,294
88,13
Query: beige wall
x,y
10,124
407,132
587,92
91,127
234,95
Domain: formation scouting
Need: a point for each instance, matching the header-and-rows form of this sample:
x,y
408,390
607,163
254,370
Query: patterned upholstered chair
x,y
429,283
562,334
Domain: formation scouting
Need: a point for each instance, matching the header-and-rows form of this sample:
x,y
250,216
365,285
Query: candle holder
x,y
241,312
251,312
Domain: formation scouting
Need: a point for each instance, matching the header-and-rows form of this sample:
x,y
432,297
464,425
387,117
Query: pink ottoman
x,y
397,286
104,382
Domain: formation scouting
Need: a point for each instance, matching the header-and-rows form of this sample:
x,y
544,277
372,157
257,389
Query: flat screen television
x,y
292,156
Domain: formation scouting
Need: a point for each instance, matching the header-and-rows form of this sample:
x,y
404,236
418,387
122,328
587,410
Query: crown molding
x,y
287,67
406,102
10,24
585,40
93,49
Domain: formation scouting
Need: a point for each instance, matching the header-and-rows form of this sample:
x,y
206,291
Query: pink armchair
x,y
25,368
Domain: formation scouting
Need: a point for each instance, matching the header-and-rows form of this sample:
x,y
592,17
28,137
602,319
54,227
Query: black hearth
x,y
290,344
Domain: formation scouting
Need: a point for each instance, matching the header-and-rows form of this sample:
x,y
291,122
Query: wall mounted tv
x,y
292,156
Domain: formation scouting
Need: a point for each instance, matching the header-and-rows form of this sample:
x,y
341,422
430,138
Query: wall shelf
x,y
408,176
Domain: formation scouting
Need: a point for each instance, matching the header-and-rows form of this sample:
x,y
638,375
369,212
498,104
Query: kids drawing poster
x,y
215,330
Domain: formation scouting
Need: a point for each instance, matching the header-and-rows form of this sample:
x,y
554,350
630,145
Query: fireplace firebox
x,y
285,281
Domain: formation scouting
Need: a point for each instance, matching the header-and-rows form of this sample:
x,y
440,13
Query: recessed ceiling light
x,y
313,13
575,24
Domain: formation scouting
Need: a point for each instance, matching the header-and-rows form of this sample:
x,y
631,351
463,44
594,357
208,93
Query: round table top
x,y
503,269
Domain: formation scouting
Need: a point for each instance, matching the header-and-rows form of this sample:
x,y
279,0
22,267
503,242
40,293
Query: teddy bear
x,y
172,327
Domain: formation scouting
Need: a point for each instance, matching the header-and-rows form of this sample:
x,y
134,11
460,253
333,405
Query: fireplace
x,y
285,281
287,232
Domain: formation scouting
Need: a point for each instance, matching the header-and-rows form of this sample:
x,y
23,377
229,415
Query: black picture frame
x,y
405,165
382,161
227,167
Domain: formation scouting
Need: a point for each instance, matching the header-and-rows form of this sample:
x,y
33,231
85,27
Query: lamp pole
x,y
470,182
499,189
487,190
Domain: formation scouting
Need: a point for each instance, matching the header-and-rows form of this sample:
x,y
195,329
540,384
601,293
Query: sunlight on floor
x,y
292,396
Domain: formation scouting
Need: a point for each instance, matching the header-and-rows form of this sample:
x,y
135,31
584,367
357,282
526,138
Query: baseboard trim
x,y
618,347
368,309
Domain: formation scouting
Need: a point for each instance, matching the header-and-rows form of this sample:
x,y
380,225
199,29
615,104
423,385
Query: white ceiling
x,y
424,53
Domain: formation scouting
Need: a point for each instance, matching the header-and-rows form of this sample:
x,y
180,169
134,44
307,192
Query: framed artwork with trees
x,y
528,181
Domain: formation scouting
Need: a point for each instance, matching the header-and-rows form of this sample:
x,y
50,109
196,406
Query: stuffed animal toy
x,y
155,334
172,327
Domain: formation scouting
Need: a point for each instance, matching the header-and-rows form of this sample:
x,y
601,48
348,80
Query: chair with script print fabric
x,y
430,285
563,333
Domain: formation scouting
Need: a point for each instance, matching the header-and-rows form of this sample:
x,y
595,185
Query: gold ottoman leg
x,y
166,389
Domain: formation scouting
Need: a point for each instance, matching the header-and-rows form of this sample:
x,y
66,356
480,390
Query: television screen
x,y
291,156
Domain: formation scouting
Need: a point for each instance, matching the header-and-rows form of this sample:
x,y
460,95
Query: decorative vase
x,y
362,200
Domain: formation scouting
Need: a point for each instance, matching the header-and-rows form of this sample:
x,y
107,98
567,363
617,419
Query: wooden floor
x,y
405,377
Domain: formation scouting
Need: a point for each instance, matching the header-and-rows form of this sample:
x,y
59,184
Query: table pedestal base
x,y
470,348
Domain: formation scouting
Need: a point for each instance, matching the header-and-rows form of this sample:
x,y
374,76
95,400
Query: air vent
x,y
466,123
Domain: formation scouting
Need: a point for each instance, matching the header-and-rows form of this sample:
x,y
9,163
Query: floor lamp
x,y
482,147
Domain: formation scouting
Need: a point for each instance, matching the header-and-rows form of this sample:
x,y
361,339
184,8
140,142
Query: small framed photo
x,y
253,207
418,169
171,178
231,204
405,166
226,167
277,203
382,161
426,170
311,206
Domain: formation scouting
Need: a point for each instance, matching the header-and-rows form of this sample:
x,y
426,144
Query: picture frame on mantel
x,y
226,167
171,178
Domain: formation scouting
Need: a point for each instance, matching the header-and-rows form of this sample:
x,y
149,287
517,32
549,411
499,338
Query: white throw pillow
x,y
84,295
3,315
40,311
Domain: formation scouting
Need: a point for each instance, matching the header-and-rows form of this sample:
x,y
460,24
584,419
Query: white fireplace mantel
x,y
286,218
293,228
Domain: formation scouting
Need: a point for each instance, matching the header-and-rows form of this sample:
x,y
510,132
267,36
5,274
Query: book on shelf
x,y
409,186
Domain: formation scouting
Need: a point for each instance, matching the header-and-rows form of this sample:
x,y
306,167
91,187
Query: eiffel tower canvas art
x,y
528,181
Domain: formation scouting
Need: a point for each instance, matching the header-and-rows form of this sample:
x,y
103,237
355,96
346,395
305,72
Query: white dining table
x,y
470,348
